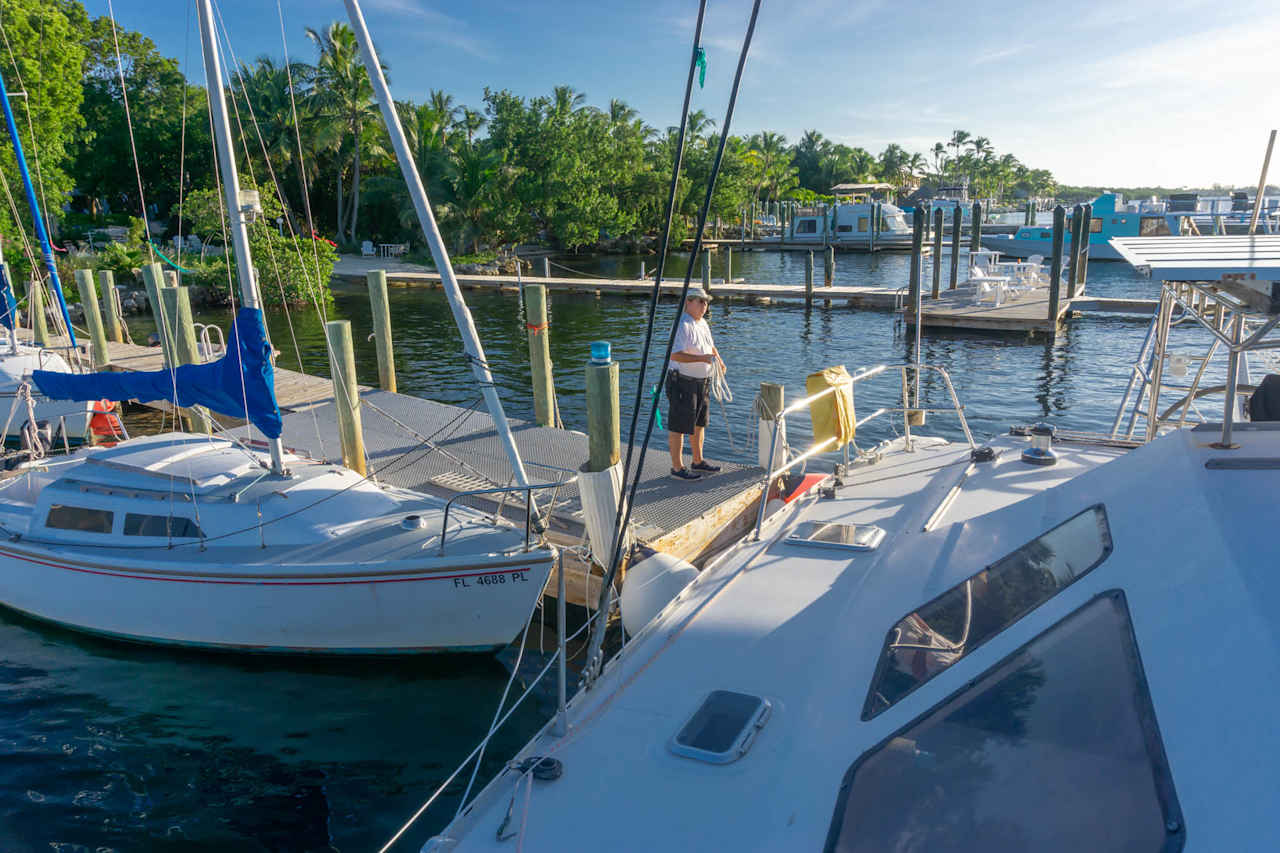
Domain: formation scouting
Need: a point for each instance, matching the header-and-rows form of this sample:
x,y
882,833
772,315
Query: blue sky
x,y
1176,92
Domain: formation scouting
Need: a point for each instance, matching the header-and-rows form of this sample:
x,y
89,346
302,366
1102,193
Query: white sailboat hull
x,y
460,605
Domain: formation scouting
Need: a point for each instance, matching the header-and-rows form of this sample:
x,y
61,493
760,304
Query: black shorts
x,y
688,398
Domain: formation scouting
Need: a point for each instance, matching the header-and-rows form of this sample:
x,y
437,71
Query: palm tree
x,y
266,87
471,121
699,124
958,139
939,153
566,99
343,94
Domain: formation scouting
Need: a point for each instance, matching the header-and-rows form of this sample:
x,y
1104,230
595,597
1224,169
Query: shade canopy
x,y
1203,258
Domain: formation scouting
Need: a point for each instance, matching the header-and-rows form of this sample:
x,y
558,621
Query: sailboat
x,y
201,541
33,422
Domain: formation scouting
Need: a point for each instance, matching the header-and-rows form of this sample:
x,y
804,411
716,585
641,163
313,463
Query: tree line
x,y
513,169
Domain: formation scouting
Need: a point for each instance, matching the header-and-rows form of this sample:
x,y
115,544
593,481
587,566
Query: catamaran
x,y
207,542
943,645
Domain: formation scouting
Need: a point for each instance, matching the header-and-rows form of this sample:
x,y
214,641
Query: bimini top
x,y
1244,257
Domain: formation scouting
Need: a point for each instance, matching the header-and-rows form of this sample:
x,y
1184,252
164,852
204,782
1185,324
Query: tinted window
x,y
807,226
844,229
926,641
1055,748
1095,226
170,526
62,517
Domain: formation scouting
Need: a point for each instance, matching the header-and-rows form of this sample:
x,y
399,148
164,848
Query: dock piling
x,y
917,245
35,304
1073,258
1055,264
115,323
728,265
546,268
937,252
382,329
603,412
771,402
1082,260
175,305
957,222
346,394
93,318
154,279
808,279
829,267
706,271
544,391
975,228
873,227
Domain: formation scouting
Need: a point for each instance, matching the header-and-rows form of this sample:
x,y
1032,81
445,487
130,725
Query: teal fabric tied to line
x,y
657,413
701,62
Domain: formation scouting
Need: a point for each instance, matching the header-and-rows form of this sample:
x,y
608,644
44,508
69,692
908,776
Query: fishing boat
x,y
946,645
1110,219
193,540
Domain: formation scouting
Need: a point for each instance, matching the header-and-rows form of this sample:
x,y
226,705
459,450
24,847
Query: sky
x,y
1144,92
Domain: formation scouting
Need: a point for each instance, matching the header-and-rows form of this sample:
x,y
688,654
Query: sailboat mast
x,y
237,209
46,248
461,315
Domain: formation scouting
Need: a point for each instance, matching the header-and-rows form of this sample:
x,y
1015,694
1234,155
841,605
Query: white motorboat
x,y
945,647
199,541
33,422
189,540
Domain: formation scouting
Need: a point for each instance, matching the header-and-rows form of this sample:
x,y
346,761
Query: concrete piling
x,y
544,392
346,393
381,309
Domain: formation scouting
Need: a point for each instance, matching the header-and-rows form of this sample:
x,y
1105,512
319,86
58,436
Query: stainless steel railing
x,y
906,410
503,490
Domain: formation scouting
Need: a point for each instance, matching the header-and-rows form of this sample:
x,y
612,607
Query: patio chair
x,y
367,250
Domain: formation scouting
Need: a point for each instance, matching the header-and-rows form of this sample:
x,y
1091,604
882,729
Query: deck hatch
x,y
723,728
844,537
935,636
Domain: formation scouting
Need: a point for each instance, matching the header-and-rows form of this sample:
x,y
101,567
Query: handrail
x,y
861,375
528,520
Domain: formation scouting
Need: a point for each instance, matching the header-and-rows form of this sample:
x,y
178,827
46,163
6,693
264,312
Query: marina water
x,y
117,747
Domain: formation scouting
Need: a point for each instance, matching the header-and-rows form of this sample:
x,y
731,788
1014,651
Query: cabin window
x,y
843,229
1055,748
1153,226
929,640
1095,226
1045,235
807,226
169,526
79,518
863,221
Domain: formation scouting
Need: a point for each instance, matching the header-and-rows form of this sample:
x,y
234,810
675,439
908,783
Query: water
x,y
113,747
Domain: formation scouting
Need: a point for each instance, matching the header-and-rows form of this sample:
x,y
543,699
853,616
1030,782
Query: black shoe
x,y
685,474
704,465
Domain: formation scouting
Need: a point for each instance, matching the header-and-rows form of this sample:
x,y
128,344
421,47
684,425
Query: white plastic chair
x,y
367,250
989,288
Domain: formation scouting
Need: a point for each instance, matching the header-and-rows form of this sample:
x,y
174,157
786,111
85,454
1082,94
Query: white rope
x,y
722,393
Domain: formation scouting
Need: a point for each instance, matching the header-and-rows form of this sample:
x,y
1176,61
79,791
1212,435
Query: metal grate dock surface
x,y
464,454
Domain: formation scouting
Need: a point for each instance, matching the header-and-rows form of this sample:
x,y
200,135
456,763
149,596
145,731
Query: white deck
x,y
803,627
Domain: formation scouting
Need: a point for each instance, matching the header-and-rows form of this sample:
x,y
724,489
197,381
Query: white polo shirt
x,y
693,337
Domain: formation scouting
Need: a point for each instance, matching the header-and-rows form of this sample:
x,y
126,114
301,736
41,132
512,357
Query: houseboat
x,y
852,225
1110,219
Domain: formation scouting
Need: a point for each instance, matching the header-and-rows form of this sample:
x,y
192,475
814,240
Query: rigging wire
x,y
624,506
128,120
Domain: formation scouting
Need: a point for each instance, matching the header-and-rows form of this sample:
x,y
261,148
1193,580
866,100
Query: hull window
x,y
1055,748
929,640
79,518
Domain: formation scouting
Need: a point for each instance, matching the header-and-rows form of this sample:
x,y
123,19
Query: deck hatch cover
x,y
723,728
844,537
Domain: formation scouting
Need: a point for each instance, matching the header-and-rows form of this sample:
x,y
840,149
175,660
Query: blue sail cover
x,y
240,384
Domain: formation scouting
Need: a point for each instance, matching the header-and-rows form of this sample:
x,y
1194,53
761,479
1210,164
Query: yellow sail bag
x,y
832,414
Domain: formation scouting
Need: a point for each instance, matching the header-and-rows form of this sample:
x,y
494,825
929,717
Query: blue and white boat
x,y
1110,219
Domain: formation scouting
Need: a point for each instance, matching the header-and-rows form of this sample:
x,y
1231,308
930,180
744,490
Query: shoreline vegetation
x,y
550,170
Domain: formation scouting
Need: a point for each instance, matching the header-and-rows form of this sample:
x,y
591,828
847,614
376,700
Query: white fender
x,y
651,584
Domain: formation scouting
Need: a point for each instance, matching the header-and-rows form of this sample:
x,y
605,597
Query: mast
x,y
237,208
45,247
461,315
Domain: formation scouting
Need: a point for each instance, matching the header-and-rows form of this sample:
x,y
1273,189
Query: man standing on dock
x,y
693,358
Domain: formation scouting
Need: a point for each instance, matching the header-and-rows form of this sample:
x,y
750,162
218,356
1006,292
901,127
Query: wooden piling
x,y
957,223
771,403
346,394
1073,257
382,329
829,267
546,268
115,322
93,318
544,391
706,271
153,280
975,228
1055,264
808,279
874,227
937,252
728,265
1082,261
35,304
917,244
175,305
603,416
